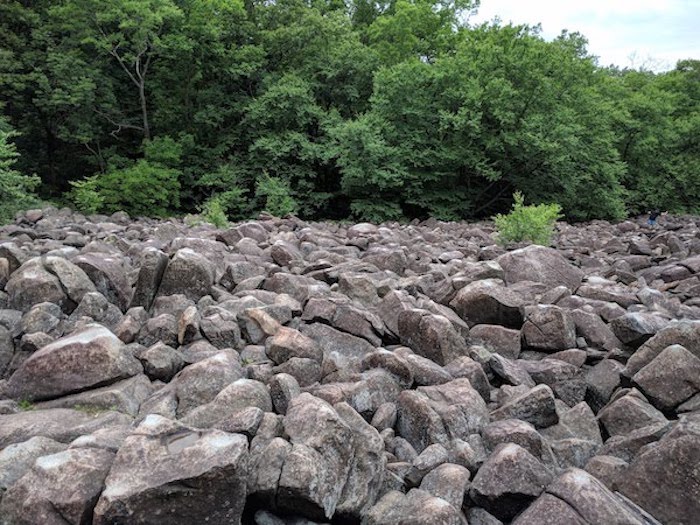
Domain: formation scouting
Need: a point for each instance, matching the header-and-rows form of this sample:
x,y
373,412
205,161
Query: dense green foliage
x,y
16,190
527,223
363,110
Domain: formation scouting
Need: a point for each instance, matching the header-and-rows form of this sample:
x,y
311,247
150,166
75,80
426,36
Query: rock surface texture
x,y
289,372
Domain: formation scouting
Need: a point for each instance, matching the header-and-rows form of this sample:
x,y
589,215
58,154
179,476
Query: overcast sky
x,y
650,33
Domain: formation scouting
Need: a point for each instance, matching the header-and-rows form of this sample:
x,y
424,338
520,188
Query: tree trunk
x,y
144,110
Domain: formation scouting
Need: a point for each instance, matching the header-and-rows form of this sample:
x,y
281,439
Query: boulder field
x,y
289,372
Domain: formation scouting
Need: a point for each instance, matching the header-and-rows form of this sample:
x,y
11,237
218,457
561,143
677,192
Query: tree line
x,y
360,109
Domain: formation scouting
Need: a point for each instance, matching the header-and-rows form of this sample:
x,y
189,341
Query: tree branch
x,y
119,125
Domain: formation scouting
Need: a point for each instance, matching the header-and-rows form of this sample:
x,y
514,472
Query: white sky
x,y
653,34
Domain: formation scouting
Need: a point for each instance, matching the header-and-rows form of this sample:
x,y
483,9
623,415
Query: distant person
x,y
653,216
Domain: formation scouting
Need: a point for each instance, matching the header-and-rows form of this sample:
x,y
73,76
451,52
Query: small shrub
x,y
85,195
527,223
212,211
25,405
277,195
144,189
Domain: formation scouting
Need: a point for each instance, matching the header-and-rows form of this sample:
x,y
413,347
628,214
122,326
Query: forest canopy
x,y
331,109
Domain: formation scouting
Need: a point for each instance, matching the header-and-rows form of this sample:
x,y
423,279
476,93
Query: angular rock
x,y
109,276
474,372
602,380
550,371
503,341
240,394
89,358
283,388
513,431
161,362
288,343
42,495
487,302
635,328
153,264
415,508
220,327
548,327
342,352
607,469
200,382
74,280
59,424
425,372
17,459
508,481
629,412
313,475
31,284
431,336
627,446
535,406
449,482
578,498
539,264
123,396
594,330
367,467
436,414
428,460
510,371
169,473
684,333
671,378
188,273
161,328
95,306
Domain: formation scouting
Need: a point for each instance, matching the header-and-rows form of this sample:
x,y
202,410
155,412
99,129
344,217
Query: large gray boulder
x,y
166,472
415,508
541,265
199,383
535,406
60,488
365,479
17,459
449,482
628,413
635,328
32,284
123,396
73,279
488,302
431,336
594,330
188,273
437,414
509,480
237,396
684,333
59,424
671,378
153,264
110,276
548,328
335,463
578,498
89,358
663,480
